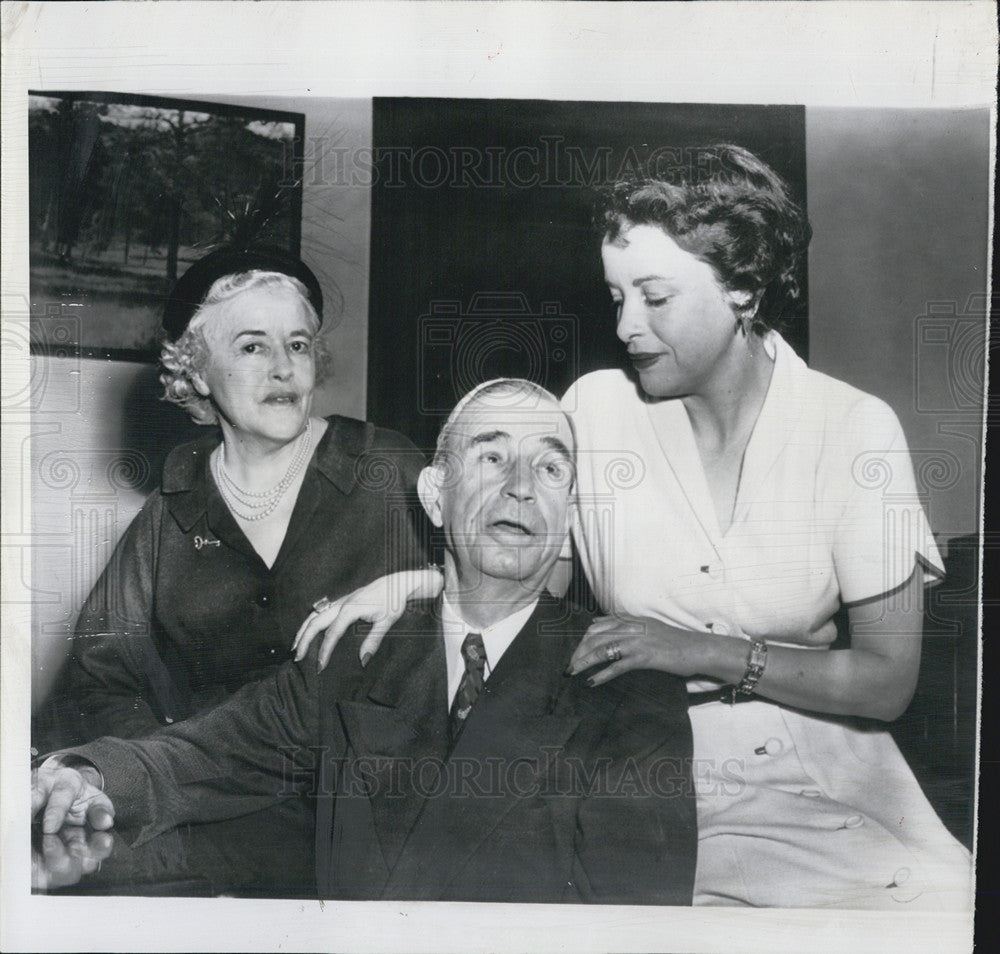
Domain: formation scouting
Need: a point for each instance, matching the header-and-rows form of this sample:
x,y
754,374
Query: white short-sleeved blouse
x,y
827,509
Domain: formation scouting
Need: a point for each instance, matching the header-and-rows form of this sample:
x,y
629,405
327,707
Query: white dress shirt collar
x,y
496,638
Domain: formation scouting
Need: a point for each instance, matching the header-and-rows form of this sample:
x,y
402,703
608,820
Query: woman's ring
x,y
323,603
613,652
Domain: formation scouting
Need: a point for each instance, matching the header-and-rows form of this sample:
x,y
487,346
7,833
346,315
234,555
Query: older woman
x,y
209,582
756,498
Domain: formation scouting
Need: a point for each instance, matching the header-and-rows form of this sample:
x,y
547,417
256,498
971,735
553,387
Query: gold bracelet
x,y
756,661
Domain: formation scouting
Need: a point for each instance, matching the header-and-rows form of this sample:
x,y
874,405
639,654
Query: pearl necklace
x,y
256,505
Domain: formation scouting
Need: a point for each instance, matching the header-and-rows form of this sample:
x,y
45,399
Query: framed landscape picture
x,y
126,191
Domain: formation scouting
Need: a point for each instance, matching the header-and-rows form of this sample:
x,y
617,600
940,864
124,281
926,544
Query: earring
x,y
742,303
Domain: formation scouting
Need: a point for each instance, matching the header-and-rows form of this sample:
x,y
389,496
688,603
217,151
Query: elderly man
x,y
461,763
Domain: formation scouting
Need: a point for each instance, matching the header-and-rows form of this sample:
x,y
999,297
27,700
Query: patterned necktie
x,y
474,654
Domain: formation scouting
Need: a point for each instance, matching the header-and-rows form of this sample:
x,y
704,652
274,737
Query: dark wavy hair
x,y
737,217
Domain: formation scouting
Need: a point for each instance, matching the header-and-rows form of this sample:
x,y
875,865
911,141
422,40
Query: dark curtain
x,y
484,261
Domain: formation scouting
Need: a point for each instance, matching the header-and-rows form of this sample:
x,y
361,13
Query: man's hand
x,y
70,796
63,859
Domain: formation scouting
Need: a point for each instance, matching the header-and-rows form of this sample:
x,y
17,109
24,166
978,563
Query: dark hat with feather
x,y
194,284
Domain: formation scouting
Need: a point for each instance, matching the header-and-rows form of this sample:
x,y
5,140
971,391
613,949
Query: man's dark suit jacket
x,y
554,791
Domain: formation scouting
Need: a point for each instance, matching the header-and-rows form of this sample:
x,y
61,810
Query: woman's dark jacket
x,y
186,611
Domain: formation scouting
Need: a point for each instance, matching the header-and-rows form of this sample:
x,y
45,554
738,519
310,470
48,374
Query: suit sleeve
x,y
107,674
259,747
636,837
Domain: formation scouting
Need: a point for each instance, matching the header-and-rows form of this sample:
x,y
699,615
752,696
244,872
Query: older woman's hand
x,y
626,644
381,603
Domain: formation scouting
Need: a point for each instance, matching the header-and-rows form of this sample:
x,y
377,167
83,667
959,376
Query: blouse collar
x,y
774,429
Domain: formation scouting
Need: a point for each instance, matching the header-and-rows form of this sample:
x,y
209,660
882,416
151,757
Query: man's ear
x,y
566,553
429,490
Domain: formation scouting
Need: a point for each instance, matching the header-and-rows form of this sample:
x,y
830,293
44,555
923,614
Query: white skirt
x,y
797,810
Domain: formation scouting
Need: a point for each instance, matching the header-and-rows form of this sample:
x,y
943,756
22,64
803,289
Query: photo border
x,y
937,55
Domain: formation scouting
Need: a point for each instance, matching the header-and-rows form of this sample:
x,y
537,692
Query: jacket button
x,y
901,876
853,821
810,792
772,747
263,600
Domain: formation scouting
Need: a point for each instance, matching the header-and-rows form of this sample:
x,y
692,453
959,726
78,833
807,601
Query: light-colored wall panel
x,y
91,415
899,200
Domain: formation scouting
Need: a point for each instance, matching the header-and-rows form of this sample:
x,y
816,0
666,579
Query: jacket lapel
x,y
301,524
189,488
189,492
520,718
335,461
399,727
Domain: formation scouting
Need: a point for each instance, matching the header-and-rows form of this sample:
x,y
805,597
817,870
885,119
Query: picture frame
x,y
127,190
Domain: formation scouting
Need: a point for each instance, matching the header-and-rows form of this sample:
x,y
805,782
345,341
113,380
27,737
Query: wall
x,y
898,202
100,432
336,225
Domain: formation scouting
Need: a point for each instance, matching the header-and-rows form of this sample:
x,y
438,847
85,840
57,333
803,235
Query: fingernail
x,y
365,659
569,671
590,681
